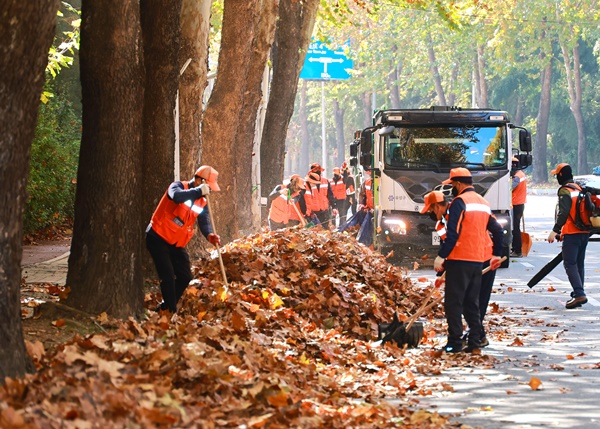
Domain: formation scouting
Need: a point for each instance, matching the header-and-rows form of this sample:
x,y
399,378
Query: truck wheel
x,y
506,252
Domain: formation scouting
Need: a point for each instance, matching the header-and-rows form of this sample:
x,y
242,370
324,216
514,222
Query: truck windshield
x,y
475,147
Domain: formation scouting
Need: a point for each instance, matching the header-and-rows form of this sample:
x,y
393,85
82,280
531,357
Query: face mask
x,y
432,216
336,177
454,191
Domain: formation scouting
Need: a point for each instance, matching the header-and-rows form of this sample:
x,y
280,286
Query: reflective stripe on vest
x,y
174,222
316,199
473,243
339,189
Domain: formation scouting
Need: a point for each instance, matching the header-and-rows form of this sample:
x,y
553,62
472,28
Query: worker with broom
x,y
283,198
462,255
172,227
519,197
436,205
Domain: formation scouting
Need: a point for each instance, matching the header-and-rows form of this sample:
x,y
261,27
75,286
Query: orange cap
x,y
432,198
558,168
457,173
336,170
210,175
316,167
299,180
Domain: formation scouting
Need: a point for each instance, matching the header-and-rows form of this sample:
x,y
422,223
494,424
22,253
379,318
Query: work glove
x,y
335,212
438,264
214,239
495,262
552,236
204,188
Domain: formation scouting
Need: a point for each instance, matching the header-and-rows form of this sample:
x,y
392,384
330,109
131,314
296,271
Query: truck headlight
x,y
395,226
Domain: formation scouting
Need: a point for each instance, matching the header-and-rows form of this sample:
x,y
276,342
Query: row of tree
x,y
536,59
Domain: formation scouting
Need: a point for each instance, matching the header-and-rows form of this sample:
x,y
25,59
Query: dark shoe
x,y
448,348
484,342
472,348
576,301
516,255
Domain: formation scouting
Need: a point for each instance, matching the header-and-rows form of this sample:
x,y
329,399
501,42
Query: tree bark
x,y
161,49
338,114
435,73
367,111
292,37
195,30
227,138
105,262
451,89
573,77
26,31
483,90
263,40
540,164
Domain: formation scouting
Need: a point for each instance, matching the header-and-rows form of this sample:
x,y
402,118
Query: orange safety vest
x,y
474,243
174,222
316,199
519,194
440,228
350,185
293,213
280,210
338,188
569,226
369,193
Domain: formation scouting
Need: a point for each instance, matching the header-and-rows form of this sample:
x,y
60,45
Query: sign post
x,y
322,63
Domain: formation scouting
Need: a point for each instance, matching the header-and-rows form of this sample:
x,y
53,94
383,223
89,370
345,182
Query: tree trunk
x,y
304,133
392,81
435,73
263,40
574,87
105,262
476,97
227,138
367,111
451,89
292,37
161,46
540,164
519,113
195,29
483,91
26,31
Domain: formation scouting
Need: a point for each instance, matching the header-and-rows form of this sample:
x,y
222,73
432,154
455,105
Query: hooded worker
x,y
318,195
574,240
519,198
285,208
172,227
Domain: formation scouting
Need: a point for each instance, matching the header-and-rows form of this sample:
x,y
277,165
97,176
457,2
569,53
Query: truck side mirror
x,y
525,160
524,141
354,149
366,145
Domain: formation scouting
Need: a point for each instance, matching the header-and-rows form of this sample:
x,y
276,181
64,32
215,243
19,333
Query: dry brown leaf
x,y
535,383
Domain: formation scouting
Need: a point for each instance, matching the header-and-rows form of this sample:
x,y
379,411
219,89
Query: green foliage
x,y
53,172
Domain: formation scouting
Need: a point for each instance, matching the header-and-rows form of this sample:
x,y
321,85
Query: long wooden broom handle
x,y
412,318
215,232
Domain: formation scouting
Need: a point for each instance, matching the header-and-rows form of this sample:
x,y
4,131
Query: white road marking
x,y
593,301
526,264
555,279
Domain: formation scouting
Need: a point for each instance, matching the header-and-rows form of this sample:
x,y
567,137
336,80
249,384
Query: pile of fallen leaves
x,y
286,342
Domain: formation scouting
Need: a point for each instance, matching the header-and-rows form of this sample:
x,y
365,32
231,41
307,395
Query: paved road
x,y
560,347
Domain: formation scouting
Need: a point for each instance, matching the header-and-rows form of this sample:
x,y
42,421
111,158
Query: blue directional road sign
x,y
322,63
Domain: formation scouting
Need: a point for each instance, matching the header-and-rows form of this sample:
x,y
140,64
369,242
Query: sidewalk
x,y
46,263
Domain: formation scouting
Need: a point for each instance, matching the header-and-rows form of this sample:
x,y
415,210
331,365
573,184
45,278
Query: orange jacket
x,y
317,199
519,193
175,222
369,193
338,188
474,242
282,209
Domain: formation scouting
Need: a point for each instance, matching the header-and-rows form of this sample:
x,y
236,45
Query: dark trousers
x,y
274,226
324,217
485,293
463,283
516,227
573,250
173,268
342,207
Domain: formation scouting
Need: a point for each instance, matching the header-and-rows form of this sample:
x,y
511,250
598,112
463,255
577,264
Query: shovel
x,y
525,240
